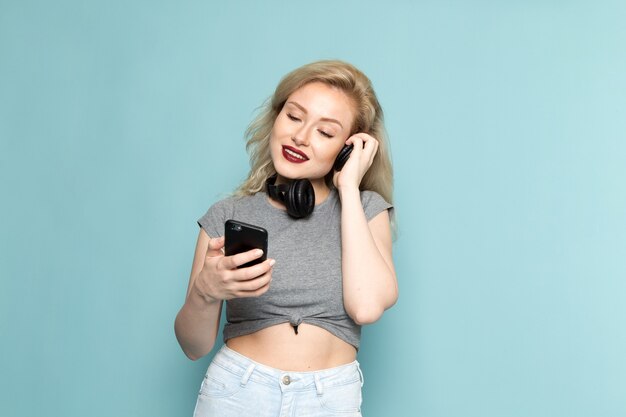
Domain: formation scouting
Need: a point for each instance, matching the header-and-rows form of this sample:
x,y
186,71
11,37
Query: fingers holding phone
x,y
361,157
216,247
246,256
223,278
251,281
242,269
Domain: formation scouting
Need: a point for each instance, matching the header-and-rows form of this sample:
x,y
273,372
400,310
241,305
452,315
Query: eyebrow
x,y
325,119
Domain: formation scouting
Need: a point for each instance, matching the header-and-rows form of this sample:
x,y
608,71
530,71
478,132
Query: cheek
x,y
329,155
280,126
275,135
332,155
273,145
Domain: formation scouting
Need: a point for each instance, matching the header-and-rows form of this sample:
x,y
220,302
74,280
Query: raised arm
x,y
369,280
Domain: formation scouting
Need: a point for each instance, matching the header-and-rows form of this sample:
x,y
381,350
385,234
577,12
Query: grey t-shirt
x,y
306,281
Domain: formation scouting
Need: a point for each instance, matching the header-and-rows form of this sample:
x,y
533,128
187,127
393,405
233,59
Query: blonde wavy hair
x,y
369,119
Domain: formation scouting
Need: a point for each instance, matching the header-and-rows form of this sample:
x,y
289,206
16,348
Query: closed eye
x,y
323,133
292,117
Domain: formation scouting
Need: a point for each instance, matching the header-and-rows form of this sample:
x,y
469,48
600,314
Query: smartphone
x,y
342,157
242,237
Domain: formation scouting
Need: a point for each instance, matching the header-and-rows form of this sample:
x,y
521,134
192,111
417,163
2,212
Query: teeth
x,y
295,155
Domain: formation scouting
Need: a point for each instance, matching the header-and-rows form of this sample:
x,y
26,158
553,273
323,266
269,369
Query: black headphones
x,y
298,196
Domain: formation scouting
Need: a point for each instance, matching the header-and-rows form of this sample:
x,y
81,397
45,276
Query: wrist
x,y
348,191
199,300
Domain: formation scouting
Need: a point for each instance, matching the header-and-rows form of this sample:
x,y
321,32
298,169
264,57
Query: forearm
x,y
369,282
197,324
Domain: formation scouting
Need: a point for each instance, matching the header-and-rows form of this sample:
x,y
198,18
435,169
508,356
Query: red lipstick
x,y
294,155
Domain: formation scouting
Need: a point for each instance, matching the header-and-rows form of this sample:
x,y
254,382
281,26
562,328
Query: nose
x,y
300,137
297,141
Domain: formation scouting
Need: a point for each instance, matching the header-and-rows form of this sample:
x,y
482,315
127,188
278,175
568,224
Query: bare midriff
x,y
312,349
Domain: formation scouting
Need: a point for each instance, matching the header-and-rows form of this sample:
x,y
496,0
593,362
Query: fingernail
x,y
259,252
272,262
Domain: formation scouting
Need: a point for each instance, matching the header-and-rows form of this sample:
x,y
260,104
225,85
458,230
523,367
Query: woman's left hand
x,y
361,158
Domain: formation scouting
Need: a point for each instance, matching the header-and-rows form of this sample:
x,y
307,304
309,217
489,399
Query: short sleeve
x,y
373,204
213,220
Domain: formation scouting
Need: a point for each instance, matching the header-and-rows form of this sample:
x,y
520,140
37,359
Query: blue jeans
x,y
234,385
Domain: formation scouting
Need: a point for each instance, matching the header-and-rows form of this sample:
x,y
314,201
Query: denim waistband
x,y
249,370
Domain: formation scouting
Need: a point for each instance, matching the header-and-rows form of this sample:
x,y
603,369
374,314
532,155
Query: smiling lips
x,y
294,155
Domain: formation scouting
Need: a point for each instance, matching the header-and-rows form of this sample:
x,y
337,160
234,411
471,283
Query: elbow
x,y
193,349
192,356
195,355
367,315
393,299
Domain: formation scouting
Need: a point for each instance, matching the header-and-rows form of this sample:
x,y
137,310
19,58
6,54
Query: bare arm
x,y
369,279
215,277
198,320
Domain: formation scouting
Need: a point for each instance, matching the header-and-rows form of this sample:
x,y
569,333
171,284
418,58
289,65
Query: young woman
x,y
294,320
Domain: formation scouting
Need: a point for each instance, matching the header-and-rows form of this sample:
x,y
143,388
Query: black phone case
x,y
242,237
342,157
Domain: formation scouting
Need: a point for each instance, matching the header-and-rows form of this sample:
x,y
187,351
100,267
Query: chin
x,y
287,172
293,172
290,176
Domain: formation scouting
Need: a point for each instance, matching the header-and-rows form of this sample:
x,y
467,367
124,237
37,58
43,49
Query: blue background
x,y
121,122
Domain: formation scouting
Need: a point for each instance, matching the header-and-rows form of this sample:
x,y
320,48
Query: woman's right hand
x,y
220,279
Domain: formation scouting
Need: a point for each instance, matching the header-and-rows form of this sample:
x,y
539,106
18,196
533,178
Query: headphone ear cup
x,y
273,190
343,156
300,198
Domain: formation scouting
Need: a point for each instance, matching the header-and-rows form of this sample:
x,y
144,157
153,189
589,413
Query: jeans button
x,y
286,380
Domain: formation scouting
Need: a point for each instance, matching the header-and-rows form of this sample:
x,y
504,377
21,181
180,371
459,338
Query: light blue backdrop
x,y
121,122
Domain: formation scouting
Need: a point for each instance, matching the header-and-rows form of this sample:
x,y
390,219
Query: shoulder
x,y
373,203
369,195
231,202
213,220
228,201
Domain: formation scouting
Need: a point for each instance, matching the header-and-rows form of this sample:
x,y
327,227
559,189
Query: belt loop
x,y
246,376
318,384
358,367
